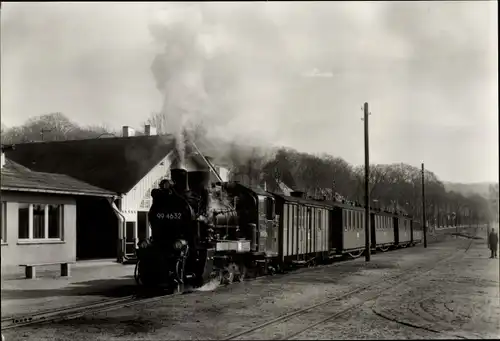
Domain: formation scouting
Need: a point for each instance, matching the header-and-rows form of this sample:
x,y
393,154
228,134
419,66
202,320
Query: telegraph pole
x,y
423,207
367,194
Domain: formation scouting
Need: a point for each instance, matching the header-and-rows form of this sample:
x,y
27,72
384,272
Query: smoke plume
x,y
178,70
209,77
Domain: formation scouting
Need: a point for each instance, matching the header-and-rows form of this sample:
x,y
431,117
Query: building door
x,y
130,239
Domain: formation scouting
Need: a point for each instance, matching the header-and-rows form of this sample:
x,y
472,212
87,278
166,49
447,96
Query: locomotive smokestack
x,y
180,178
198,180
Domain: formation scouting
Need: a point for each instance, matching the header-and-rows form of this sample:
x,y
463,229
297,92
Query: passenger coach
x,y
402,231
304,229
348,230
382,230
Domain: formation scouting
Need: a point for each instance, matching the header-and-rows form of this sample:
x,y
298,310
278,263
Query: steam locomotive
x,y
225,231
198,232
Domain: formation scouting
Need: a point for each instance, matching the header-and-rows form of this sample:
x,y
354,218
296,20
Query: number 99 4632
x,y
169,216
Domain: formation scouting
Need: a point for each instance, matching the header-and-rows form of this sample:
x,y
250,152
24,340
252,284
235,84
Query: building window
x,y
40,221
3,218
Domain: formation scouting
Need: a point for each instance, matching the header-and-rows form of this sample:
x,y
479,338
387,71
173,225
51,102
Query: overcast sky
x,y
295,74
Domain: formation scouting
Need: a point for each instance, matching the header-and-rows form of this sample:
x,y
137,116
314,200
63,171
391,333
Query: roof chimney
x,y
149,130
128,131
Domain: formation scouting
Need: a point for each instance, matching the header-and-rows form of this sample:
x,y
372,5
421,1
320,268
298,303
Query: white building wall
x,y
132,200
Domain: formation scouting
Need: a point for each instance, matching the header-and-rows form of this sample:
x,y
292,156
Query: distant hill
x,y
481,188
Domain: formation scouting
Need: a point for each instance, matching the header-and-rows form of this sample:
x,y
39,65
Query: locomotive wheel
x,y
228,274
355,254
139,278
242,273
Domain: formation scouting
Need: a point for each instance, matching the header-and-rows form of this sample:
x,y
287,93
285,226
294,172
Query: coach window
x,y
40,222
269,208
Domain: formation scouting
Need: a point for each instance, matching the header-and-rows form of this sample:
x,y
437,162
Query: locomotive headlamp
x,y
179,244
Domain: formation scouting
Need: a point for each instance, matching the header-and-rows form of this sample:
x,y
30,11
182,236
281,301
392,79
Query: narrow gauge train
x,y
227,231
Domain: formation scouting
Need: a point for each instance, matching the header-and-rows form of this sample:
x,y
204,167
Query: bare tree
x,y
50,127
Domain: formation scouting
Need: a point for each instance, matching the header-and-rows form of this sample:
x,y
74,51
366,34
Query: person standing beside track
x,y
493,242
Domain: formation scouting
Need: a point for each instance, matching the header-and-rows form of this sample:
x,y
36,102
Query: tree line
x,y
393,187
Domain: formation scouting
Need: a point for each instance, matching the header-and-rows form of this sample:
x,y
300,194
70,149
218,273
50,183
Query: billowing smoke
x,y
213,71
178,70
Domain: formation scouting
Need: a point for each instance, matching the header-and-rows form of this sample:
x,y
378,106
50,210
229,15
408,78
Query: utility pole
x,y
367,193
423,207
333,190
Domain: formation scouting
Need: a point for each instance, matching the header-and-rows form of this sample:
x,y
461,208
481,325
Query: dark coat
x,y
493,240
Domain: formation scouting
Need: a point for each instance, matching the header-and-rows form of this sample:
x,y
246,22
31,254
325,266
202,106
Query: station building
x,y
39,215
129,166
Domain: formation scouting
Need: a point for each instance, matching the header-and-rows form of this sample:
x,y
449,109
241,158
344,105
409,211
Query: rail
x,y
75,311
259,331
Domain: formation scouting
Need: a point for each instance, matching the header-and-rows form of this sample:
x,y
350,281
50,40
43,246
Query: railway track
x,y
294,324
76,311
67,313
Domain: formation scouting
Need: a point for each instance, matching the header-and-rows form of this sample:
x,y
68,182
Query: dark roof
x,y
16,177
115,164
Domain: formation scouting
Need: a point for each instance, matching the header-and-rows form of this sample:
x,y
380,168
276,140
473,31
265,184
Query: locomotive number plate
x,y
170,216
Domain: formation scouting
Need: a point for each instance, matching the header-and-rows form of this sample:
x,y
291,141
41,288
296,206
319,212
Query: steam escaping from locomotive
x,y
178,71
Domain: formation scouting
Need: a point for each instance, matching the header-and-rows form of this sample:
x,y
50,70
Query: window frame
x,y
31,231
4,222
